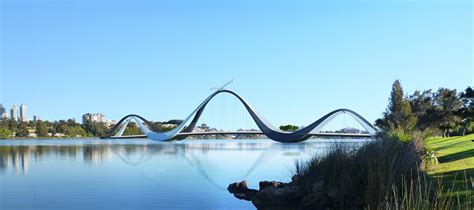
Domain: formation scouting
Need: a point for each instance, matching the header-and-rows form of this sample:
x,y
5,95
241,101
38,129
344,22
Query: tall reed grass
x,y
383,174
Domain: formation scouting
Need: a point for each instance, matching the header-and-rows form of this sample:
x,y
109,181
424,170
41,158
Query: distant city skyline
x,y
15,113
292,61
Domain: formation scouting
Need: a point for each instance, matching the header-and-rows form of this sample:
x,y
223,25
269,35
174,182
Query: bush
x,y
75,131
356,179
5,133
383,174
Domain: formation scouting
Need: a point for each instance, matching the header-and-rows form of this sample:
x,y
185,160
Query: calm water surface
x,y
142,174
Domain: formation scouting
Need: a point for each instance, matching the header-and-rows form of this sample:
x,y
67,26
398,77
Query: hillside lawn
x,y
456,162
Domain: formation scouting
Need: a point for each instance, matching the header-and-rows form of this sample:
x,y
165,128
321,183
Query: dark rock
x,y
287,196
241,191
237,186
264,184
272,195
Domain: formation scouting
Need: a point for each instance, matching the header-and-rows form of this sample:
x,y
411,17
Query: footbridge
x,y
185,129
180,135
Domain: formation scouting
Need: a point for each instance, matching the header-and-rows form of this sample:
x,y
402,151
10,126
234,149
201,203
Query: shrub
x,y
5,133
383,174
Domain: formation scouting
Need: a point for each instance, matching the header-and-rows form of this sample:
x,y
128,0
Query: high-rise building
x,y
23,116
4,116
3,112
14,113
36,118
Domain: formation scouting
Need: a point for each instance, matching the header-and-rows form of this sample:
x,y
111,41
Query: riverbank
x,y
49,138
370,176
383,174
99,138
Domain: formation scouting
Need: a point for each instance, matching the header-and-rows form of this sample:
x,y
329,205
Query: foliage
x,y
400,135
166,128
346,178
22,132
421,103
75,131
132,129
446,105
5,133
41,129
174,122
95,129
383,174
288,127
404,136
444,112
398,114
71,128
467,111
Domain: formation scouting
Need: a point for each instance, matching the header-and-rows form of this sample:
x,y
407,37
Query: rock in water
x,y
272,195
264,184
285,197
241,191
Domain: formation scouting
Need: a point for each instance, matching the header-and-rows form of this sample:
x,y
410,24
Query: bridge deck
x,y
346,135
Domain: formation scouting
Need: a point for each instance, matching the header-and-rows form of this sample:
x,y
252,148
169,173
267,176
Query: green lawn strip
x,y
456,162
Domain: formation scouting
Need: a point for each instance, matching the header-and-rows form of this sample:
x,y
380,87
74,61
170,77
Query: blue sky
x,y
293,61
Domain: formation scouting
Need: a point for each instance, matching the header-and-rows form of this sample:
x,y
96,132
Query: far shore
x,y
47,138
99,138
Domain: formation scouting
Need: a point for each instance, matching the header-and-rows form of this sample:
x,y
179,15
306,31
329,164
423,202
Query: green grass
x,y
456,161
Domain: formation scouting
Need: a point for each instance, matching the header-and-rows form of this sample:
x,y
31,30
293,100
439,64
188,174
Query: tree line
x,y
68,128
444,112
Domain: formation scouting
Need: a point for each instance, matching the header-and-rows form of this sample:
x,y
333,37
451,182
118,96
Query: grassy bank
x,y
456,161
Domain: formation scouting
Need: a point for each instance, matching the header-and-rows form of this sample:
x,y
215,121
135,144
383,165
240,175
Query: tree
x,y
5,133
95,129
41,129
288,127
174,121
13,125
75,131
22,132
132,129
60,126
398,114
446,105
466,112
421,103
52,130
71,122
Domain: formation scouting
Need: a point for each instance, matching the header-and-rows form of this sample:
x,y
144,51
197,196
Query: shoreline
x,y
328,140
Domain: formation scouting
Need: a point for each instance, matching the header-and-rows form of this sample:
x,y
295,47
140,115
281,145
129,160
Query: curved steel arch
x,y
267,128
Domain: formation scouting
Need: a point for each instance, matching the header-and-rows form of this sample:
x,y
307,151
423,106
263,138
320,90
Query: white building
x,y
3,112
23,116
93,118
109,123
14,113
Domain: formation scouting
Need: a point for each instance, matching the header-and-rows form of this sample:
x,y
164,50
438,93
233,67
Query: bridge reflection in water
x,y
185,129
220,162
